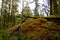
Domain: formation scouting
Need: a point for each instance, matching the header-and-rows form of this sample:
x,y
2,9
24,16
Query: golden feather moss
x,y
34,28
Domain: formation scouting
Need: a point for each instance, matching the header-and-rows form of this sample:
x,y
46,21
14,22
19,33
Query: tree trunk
x,y
53,6
36,11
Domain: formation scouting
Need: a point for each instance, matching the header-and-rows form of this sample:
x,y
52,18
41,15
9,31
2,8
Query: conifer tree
x,y
26,12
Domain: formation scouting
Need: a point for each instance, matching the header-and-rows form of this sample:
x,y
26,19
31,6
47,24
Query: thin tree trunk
x,y
36,11
53,7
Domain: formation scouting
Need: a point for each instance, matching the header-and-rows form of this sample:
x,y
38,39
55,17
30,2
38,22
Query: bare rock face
x,y
38,29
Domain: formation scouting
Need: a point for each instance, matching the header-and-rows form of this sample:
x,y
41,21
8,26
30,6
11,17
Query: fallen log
x,y
10,30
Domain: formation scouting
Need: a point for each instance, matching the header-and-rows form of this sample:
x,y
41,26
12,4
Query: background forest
x,y
20,21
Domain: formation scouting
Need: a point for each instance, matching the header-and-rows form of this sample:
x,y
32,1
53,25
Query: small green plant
x,y
58,35
3,35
